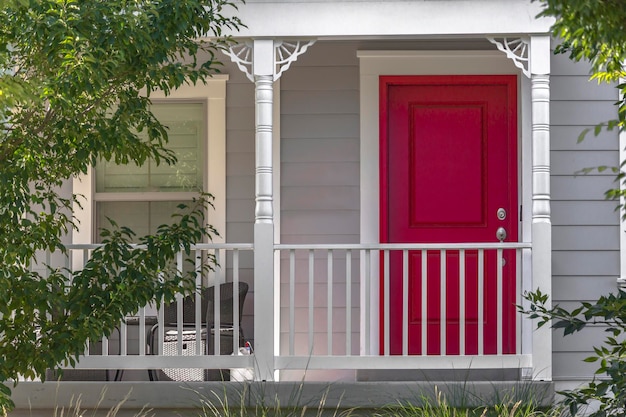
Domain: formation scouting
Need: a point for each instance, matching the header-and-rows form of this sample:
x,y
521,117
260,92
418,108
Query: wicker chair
x,y
189,335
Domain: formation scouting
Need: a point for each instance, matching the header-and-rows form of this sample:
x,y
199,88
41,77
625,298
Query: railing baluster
x,y
292,301
499,296
367,315
443,324
405,302
518,300
329,303
349,302
161,320
179,308
142,331
124,339
311,299
217,325
424,323
236,306
198,302
462,302
481,301
386,301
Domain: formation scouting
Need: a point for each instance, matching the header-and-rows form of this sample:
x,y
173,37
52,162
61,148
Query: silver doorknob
x,y
501,234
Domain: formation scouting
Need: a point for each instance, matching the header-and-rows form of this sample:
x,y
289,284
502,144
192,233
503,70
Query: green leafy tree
x,y
608,387
75,88
594,31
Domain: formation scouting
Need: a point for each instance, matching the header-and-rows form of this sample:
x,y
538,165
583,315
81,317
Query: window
x,y
144,197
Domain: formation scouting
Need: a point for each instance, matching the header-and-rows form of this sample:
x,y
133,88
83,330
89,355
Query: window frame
x,y
213,95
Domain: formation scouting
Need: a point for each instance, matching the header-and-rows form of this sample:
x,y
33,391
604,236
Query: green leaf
x,y
77,99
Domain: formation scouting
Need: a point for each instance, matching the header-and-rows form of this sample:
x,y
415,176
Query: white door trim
x,y
373,64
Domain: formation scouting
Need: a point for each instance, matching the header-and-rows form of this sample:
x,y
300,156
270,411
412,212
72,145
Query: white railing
x,y
129,347
361,306
355,306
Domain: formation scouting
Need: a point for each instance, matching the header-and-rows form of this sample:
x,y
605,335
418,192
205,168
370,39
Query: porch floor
x,y
36,399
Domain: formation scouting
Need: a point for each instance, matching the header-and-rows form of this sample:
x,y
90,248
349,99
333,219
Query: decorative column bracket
x,y
286,52
517,50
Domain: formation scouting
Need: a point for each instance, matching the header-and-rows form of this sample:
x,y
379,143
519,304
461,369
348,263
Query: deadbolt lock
x,y
501,213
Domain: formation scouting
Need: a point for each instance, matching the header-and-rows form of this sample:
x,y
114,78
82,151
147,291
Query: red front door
x,y
448,148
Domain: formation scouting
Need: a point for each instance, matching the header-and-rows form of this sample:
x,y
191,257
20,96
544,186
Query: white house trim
x,y
376,63
622,158
621,281
515,49
263,61
541,221
286,53
392,18
213,93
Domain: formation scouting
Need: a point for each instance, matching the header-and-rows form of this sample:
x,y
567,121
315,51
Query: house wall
x,y
320,192
240,177
586,232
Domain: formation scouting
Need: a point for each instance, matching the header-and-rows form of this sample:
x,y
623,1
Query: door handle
x,y
501,234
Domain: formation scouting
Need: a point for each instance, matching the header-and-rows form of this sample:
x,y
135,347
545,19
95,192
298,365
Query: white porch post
x,y
263,71
263,61
541,222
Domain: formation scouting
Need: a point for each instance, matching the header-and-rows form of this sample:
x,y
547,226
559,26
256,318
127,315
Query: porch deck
x,y
173,398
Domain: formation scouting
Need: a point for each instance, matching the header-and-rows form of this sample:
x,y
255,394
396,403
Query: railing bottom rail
x,y
404,362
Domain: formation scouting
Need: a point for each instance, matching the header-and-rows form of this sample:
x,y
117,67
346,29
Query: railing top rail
x,y
199,246
409,246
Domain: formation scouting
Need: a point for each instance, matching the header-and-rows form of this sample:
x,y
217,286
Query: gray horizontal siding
x,y
580,188
571,162
563,66
589,263
320,145
240,178
330,54
320,126
581,113
320,102
570,366
565,138
582,341
306,174
575,88
320,78
596,237
568,287
584,213
318,222
585,233
319,198
320,183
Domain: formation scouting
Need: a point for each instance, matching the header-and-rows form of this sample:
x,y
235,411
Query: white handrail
x,y
400,246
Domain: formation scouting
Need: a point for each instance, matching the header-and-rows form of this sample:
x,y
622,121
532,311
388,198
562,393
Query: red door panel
x,y
448,163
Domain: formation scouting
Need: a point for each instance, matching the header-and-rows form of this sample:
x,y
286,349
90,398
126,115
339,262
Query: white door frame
x,y
373,64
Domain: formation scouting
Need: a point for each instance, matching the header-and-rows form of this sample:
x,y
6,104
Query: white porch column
x,y
263,72
263,61
541,222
